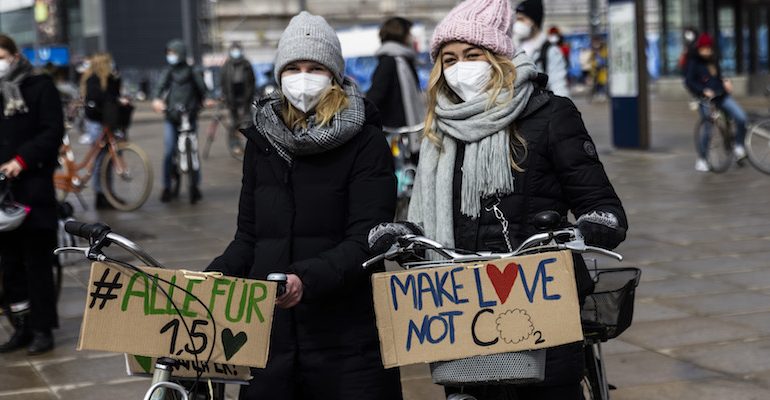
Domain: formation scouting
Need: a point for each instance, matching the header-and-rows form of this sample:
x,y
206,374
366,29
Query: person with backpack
x,y
528,35
180,87
238,89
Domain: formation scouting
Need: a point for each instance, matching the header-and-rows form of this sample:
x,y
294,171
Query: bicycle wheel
x,y
237,145
128,188
210,135
719,151
758,146
188,152
594,381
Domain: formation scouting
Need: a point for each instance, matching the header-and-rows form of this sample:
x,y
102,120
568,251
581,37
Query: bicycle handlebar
x,y
404,129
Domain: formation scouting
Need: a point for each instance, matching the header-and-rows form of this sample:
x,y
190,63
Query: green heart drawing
x,y
145,363
232,343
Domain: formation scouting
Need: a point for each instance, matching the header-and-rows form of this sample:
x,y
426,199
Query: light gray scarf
x,y
9,87
411,96
486,165
314,139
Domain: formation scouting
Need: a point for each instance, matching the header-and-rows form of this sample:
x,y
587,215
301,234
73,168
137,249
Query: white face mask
x,y
304,90
689,36
5,66
553,39
172,59
521,30
468,79
235,53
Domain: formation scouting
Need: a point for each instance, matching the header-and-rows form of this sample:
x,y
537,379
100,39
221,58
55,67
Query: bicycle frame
x,y
69,180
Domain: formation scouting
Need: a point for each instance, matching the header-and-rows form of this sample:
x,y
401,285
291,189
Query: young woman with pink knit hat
x,y
495,140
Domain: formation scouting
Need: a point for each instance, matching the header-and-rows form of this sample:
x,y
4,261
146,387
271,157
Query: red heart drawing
x,y
503,281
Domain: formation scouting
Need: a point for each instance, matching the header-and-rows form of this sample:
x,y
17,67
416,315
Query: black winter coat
x,y
699,78
98,99
34,137
385,92
562,172
313,220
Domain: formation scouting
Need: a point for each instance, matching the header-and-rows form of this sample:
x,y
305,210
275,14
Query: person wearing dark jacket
x,y
488,112
100,89
704,80
395,86
31,131
180,88
317,176
238,89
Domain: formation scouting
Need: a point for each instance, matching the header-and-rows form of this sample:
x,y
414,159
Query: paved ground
x,y
702,322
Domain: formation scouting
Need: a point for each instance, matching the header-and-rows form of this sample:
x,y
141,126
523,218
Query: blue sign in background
x,y
59,55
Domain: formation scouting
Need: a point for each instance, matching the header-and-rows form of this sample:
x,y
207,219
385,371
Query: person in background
x,y
599,72
180,87
238,90
31,129
528,35
395,86
317,176
555,38
100,89
689,36
704,80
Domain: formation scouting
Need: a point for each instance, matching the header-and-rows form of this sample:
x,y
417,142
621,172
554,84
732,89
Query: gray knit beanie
x,y
309,38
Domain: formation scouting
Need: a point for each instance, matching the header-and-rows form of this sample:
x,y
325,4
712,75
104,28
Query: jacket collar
x,y
537,101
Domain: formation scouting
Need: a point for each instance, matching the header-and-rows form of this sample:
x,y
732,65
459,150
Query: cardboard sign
x,y
453,312
128,312
145,366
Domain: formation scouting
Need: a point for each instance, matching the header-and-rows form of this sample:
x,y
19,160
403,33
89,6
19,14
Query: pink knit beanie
x,y
484,23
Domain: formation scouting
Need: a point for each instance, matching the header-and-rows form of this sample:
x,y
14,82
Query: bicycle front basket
x,y
495,369
611,305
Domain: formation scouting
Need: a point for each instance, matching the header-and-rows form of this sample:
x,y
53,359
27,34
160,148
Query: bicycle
x,y
185,158
101,236
237,142
606,313
758,140
125,174
405,148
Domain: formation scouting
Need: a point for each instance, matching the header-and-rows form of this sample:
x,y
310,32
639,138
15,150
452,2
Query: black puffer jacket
x,y
313,220
562,172
35,138
385,91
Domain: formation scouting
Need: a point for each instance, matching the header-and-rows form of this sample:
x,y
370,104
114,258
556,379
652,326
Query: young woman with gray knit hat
x,y
495,140
317,176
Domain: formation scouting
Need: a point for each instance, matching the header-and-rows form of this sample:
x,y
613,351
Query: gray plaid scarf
x,y
9,87
314,139
486,165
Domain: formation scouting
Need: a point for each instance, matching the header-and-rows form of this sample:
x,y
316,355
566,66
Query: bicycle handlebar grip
x,y
280,278
86,231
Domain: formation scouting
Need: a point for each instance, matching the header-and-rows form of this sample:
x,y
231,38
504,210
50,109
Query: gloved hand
x,y
385,235
601,229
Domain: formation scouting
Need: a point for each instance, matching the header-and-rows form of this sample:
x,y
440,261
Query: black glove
x,y
385,235
601,229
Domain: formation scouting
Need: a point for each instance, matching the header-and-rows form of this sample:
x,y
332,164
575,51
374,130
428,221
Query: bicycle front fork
x,y
188,142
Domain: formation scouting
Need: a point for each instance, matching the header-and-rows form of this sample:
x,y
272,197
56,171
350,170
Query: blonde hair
x,y
101,66
333,101
502,78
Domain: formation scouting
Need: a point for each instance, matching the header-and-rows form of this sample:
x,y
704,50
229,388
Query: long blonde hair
x,y
101,66
333,101
502,78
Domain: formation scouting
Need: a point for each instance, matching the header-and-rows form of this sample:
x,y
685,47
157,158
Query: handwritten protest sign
x,y
145,366
127,311
453,312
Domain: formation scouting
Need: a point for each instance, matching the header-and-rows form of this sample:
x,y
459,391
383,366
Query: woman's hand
x,y
708,93
158,105
11,169
728,85
293,293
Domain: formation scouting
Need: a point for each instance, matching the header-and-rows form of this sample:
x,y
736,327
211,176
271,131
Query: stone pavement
x,y
702,324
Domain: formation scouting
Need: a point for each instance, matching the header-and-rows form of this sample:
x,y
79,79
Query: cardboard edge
x,y
384,329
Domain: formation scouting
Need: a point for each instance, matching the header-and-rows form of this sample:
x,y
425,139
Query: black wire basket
x,y
609,310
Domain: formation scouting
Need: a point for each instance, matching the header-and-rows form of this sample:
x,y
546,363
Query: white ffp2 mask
x,y
5,66
468,78
304,90
521,30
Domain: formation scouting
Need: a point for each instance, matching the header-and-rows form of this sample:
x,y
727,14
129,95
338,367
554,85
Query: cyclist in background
x,y
180,86
100,89
395,86
495,115
704,80
32,127
238,89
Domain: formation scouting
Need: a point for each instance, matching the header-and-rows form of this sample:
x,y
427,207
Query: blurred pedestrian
x,y
488,111
599,72
31,128
528,35
704,80
555,38
100,90
395,86
689,37
317,176
179,90
238,90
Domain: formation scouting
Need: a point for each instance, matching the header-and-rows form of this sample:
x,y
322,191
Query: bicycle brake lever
x,y
60,250
580,246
